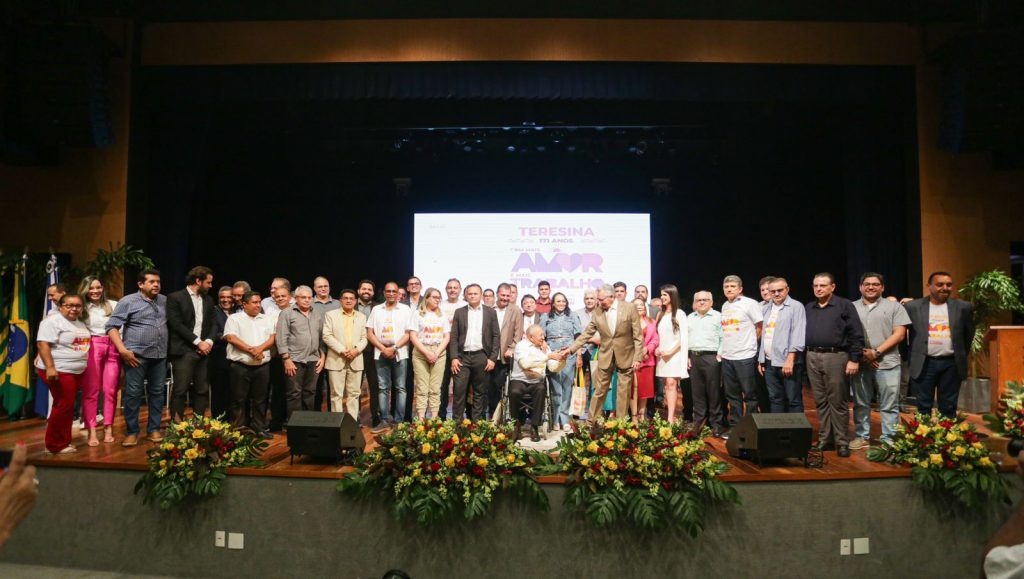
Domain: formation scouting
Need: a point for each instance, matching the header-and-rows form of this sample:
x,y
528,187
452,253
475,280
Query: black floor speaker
x,y
324,434
770,437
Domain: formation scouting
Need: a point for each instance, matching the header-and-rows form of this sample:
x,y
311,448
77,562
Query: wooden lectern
x,y
1006,358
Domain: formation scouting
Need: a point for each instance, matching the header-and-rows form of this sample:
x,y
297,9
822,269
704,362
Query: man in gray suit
x,y
940,341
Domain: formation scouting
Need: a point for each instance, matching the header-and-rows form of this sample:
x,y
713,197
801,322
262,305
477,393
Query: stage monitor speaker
x,y
324,434
771,436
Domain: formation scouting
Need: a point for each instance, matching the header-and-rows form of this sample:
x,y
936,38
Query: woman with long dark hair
x,y
671,351
561,327
103,371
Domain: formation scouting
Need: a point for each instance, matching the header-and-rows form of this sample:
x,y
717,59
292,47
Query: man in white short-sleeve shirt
x,y
741,328
387,329
250,336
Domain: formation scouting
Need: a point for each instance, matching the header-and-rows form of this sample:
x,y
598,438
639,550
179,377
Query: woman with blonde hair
x,y
429,333
643,382
103,369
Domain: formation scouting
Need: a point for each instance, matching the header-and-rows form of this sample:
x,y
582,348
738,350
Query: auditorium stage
x,y
278,459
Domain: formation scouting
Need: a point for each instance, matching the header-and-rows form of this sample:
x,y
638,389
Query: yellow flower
x,y
199,434
475,438
985,461
610,465
430,434
679,450
419,427
416,473
977,445
499,437
167,446
191,454
466,422
960,451
665,432
425,449
609,444
481,462
935,458
592,447
455,439
395,451
951,437
633,433
217,424
180,427
163,464
585,461
449,461
922,430
611,424
964,426
511,458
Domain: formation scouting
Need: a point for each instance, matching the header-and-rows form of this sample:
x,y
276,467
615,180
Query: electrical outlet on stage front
x,y
861,546
219,538
844,546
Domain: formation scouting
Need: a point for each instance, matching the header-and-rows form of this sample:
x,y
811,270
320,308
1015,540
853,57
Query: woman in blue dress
x,y
561,327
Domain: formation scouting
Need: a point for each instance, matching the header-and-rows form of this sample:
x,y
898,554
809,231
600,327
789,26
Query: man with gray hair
x,y
301,349
741,329
704,333
780,358
621,350
269,305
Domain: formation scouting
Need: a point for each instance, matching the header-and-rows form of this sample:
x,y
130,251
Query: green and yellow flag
x,y
16,388
5,328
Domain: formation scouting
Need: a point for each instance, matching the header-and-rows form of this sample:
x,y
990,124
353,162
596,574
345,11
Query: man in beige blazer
x,y
621,350
510,322
344,334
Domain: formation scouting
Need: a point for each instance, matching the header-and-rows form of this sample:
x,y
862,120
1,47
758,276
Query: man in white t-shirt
x,y
741,329
454,301
940,341
387,330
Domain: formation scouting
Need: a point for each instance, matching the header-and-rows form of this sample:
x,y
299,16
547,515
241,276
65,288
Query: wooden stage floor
x,y
277,458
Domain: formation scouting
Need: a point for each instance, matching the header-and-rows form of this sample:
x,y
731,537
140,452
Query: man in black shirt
x,y
835,339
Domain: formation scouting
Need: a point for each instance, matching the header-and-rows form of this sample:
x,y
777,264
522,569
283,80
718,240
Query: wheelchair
x,y
505,414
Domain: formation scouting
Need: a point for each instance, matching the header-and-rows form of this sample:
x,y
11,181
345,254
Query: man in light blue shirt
x,y
780,357
704,341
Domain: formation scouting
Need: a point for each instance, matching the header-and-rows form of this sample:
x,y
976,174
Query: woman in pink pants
x,y
103,372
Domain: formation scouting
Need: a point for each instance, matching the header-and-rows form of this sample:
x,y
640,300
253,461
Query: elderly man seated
x,y
527,379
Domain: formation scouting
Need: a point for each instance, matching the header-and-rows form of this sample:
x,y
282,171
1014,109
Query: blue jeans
x,y
149,378
785,393
938,374
888,384
391,373
561,389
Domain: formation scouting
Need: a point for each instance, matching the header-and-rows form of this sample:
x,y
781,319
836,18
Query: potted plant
x,y
992,293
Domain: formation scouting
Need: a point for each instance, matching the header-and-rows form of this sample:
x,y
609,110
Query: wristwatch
x,y
878,353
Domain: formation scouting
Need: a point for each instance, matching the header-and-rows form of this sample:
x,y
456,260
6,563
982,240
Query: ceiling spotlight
x,y
511,148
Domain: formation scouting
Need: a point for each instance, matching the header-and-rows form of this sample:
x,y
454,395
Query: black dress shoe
x,y
823,446
844,451
534,434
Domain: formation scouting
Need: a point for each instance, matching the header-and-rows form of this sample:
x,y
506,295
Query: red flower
x,y
913,424
435,467
946,424
650,435
602,451
658,456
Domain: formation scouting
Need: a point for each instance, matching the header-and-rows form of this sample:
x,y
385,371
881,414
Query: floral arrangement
x,y
651,474
1010,421
192,461
436,468
948,458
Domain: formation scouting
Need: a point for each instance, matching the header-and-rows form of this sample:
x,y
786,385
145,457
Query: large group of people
x,y
426,351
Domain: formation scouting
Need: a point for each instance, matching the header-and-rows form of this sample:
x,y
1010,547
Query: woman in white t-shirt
x,y
103,371
63,343
429,333
672,350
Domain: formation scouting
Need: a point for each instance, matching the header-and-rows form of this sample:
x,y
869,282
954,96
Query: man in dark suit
x,y
474,350
220,382
940,340
191,327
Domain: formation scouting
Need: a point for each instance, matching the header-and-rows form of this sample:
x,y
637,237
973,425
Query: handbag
x,y
578,402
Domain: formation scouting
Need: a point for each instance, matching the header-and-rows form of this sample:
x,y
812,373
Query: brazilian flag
x,y
15,389
5,328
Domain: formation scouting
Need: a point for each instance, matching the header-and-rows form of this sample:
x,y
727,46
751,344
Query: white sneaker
x,y
859,443
99,419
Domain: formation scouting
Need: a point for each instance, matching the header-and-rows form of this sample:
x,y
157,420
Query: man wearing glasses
x,y
704,333
387,330
885,326
780,358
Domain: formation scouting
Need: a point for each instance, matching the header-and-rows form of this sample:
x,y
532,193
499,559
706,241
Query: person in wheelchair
x,y
527,379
